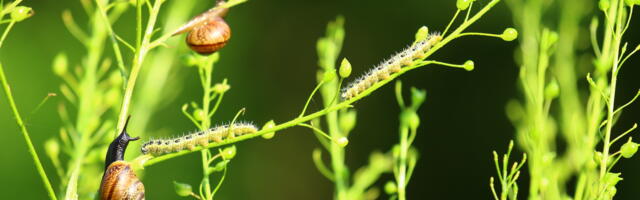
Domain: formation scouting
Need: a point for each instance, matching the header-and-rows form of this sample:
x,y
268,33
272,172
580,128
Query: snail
x,y
207,32
119,181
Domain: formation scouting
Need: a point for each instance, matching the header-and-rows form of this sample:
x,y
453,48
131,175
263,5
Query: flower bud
x,y
469,65
229,152
552,90
410,118
221,87
60,64
52,148
604,5
509,34
390,187
199,115
417,97
629,149
463,4
611,179
268,125
20,13
345,68
422,33
190,60
342,141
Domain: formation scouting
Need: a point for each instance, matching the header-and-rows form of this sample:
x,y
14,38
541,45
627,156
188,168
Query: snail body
x,y
119,181
207,32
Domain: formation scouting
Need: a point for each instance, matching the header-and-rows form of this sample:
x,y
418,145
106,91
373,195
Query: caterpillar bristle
x,y
200,138
390,66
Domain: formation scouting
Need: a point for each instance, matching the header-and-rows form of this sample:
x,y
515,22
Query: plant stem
x,y
25,133
9,7
116,48
142,50
206,121
86,112
337,157
402,175
613,54
338,106
6,31
294,122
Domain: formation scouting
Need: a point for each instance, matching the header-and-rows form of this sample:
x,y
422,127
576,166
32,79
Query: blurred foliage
x,y
271,57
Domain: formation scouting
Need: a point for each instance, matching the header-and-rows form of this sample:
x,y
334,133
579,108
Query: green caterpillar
x,y
203,138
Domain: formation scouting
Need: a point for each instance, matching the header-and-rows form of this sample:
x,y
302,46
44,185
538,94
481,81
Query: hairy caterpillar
x,y
202,138
390,66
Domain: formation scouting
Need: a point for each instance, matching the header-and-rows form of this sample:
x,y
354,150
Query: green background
x,y
271,63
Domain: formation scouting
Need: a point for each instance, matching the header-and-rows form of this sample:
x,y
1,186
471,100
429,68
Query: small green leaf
x,y
182,189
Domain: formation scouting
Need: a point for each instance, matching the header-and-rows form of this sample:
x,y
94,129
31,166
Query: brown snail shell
x,y
209,37
208,32
119,181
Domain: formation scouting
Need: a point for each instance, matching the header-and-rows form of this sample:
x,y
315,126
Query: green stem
x,y
402,175
205,178
143,48
9,7
112,35
317,160
294,122
206,122
306,105
6,31
317,130
480,34
451,22
25,133
334,107
612,89
337,158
